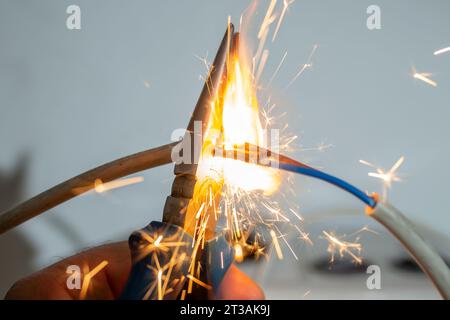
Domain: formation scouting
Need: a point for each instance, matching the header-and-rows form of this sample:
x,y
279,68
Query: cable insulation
x,y
307,171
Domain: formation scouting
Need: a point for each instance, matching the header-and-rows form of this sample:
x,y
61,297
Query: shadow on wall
x,y
17,252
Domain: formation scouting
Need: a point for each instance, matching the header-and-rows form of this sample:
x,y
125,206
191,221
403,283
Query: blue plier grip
x,y
161,254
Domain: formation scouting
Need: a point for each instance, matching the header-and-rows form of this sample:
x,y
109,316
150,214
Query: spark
x,y
267,118
441,51
158,241
101,187
204,61
258,251
221,260
268,19
163,282
425,78
286,4
290,140
199,282
238,253
262,64
287,243
276,212
256,58
276,244
305,66
277,69
304,236
353,249
263,33
88,277
160,295
208,68
236,222
321,147
197,216
363,229
388,177
296,214
243,188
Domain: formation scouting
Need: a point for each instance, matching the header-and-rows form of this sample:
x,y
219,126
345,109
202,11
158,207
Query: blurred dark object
x,y
18,249
340,266
408,264
12,184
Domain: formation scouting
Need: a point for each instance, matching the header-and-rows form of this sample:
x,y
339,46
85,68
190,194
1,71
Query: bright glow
x,y
286,4
305,66
158,241
240,112
276,244
353,249
387,176
160,294
241,124
425,78
441,51
238,253
100,186
88,277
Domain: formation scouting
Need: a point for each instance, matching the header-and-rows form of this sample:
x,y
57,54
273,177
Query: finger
x,y
51,282
236,285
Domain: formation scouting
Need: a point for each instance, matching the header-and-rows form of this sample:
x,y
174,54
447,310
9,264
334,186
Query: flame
x,y
234,121
240,110
241,123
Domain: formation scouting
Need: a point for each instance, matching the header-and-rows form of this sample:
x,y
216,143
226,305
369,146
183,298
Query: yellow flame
x,y
241,123
234,121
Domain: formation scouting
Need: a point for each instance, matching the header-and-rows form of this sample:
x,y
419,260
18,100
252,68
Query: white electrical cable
x,y
426,257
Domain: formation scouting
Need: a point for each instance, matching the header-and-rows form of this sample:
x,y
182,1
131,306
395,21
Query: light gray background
x,y
71,100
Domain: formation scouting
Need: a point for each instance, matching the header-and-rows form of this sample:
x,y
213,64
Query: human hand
x,y
51,282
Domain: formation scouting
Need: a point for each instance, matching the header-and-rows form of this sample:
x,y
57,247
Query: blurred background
x,y
71,100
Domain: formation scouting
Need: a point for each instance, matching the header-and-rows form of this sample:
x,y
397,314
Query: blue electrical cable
x,y
291,165
307,171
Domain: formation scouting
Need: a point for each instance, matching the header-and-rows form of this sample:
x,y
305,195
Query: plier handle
x,y
162,252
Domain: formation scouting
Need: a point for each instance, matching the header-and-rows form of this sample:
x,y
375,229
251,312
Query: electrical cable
x,y
423,253
307,171
391,218
254,154
83,183
427,258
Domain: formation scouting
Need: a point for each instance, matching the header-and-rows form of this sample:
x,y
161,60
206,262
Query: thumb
x,y
236,285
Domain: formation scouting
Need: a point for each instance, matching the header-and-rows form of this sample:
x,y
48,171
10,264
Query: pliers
x,y
168,262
